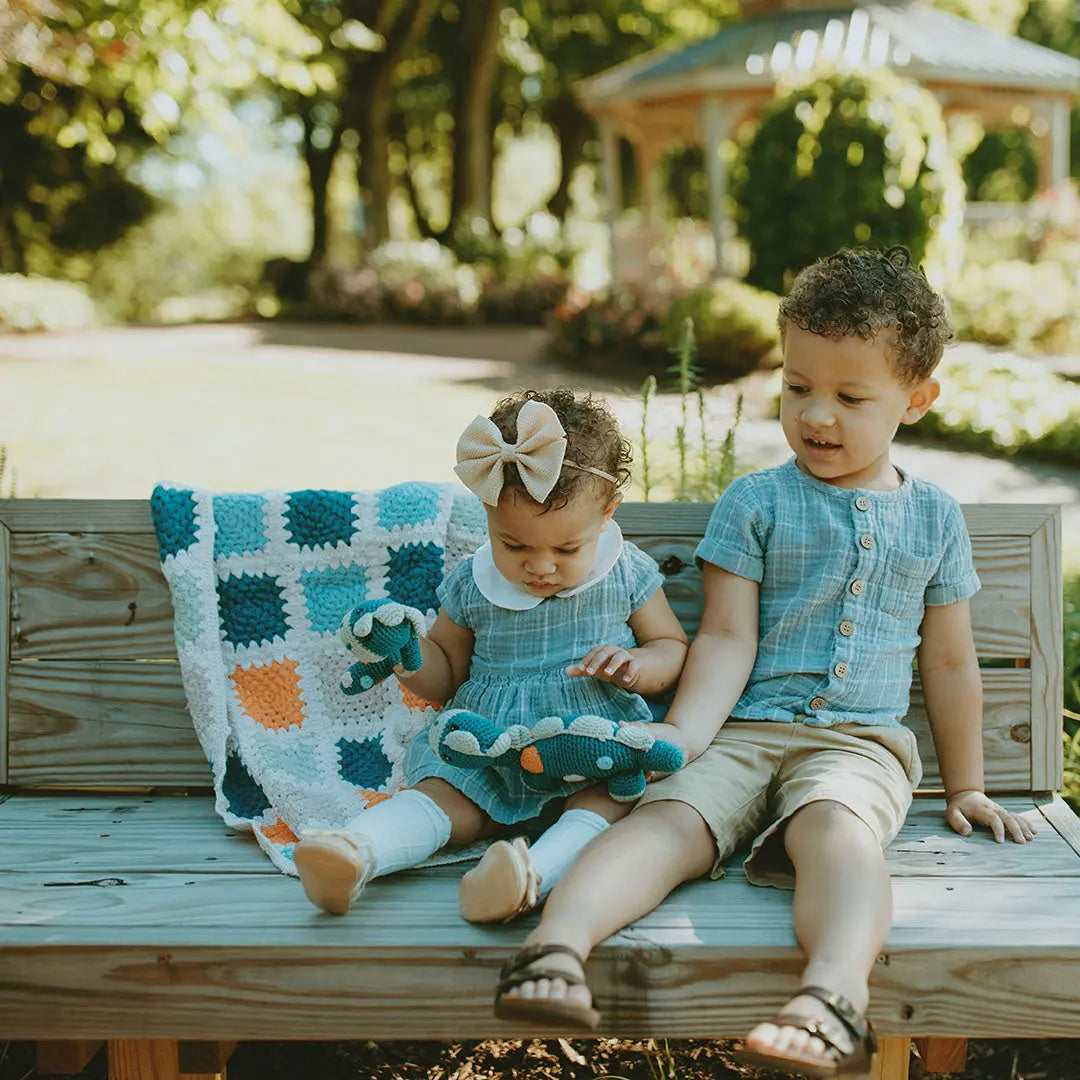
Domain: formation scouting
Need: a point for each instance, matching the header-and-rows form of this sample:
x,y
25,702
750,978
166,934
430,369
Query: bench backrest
x,y
90,692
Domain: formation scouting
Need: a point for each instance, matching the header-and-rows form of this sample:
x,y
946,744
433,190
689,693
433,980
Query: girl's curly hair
x,y
863,292
592,438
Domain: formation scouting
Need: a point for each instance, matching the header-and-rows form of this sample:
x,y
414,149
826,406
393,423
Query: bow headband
x,y
539,454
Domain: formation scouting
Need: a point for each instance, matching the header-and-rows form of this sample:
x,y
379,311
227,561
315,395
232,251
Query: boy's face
x,y
841,404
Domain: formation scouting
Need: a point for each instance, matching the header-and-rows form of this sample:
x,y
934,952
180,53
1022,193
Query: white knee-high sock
x,y
402,831
557,848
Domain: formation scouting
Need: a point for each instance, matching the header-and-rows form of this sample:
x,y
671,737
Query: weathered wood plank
x,y
76,723
943,1055
91,595
100,838
143,1059
64,1057
5,643
1061,818
102,596
674,519
892,1060
1047,686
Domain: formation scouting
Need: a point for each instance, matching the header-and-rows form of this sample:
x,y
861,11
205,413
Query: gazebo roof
x,y
916,40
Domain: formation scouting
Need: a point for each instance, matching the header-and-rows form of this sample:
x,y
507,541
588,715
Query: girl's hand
x,y
610,664
965,807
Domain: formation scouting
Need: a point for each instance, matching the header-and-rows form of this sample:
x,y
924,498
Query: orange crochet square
x,y
373,797
270,694
414,701
278,833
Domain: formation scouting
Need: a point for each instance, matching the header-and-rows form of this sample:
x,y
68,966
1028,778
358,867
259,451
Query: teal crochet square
x,y
173,512
407,504
186,594
251,609
317,518
240,524
330,593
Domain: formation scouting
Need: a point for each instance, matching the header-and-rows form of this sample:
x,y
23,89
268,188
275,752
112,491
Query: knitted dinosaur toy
x,y
555,750
381,634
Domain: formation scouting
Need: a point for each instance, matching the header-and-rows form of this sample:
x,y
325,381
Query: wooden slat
x,y
95,838
892,1059
91,595
126,724
1063,820
943,1055
76,591
1047,673
713,959
64,1057
5,644
207,1058
144,1059
93,724
77,515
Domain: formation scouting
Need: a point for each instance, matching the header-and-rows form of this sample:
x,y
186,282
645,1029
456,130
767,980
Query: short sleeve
x,y
456,591
643,575
733,539
955,578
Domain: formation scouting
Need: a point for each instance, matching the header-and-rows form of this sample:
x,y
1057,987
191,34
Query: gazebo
x,y
699,94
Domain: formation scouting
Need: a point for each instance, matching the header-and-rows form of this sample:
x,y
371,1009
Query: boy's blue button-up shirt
x,y
845,576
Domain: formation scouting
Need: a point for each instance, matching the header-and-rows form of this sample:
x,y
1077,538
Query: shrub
x,y
846,160
36,303
735,326
1026,305
1005,406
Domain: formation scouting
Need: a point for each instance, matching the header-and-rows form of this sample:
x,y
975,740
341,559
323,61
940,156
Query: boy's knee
x,y
815,821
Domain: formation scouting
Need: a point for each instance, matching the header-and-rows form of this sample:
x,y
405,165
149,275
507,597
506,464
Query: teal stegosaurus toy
x,y
556,751
382,635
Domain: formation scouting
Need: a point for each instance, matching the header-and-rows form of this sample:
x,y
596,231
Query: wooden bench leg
x,y
892,1060
943,1055
143,1059
204,1060
64,1057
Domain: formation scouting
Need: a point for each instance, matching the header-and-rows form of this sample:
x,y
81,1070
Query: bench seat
x,y
143,916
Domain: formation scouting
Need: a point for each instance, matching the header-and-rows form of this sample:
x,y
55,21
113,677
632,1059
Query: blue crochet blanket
x,y
260,583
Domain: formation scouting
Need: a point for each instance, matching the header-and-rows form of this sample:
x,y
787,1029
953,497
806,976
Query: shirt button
x,y
867,541
847,628
817,703
840,670
857,587
862,503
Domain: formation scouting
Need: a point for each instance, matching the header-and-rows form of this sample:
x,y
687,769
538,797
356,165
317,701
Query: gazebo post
x,y
717,119
1059,141
609,154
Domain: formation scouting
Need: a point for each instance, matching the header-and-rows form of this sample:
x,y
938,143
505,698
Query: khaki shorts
x,y
756,775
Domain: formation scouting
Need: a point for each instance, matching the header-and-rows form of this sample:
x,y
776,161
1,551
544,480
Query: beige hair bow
x,y
539,454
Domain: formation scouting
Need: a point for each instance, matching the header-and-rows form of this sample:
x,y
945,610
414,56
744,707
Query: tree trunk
x,y
572,129
320,163
473,109
370,99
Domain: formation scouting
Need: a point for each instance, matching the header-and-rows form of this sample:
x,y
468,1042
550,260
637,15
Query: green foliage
x,y
1027,305
1005,407
845,160
1001,15
699,477
735,325
1002,168
36,303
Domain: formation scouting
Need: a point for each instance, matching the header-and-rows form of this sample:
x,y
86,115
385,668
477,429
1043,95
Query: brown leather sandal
x,y
502,885
519,969
848,1037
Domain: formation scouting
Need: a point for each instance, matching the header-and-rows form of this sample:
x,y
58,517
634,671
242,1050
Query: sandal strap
x,y
840,1007
528,956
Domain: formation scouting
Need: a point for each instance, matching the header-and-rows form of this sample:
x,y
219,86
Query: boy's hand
x,y
966,807
610,664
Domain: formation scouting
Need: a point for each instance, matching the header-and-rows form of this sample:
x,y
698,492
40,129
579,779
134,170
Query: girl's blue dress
x,y
518,671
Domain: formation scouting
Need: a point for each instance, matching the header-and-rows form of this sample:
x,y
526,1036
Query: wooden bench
x,y
131,914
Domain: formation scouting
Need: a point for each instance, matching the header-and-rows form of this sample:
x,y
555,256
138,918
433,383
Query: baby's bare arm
x,y
446,652
952,688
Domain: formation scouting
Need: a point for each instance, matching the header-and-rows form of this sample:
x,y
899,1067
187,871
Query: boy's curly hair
x,y
863,292
592,438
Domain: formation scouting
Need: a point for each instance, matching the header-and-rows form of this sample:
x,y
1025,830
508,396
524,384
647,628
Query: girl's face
x,y
546,552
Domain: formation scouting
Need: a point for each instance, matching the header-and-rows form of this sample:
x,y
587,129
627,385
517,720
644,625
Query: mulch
x,y
558,1059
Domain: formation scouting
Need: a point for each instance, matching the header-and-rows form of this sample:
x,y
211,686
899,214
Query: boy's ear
x,y
922,397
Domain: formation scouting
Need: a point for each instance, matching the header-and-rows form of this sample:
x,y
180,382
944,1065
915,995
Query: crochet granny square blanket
x,y
260,583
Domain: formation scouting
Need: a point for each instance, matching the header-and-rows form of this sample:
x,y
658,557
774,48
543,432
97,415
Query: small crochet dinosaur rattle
x,y
381,634
555,751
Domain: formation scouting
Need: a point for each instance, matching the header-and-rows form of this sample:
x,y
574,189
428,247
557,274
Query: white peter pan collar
x,y
506,594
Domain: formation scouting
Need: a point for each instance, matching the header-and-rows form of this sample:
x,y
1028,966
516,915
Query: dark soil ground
x,y
558,1059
